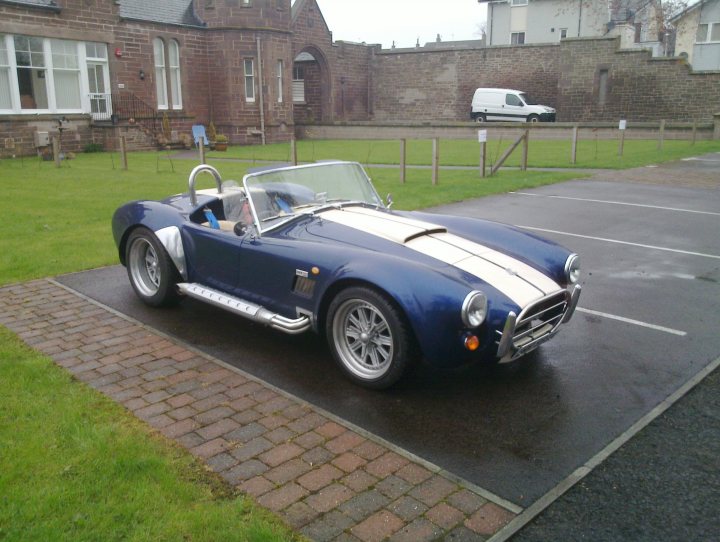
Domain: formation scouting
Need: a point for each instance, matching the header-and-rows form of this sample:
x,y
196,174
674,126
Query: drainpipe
x,y
490,18
580,2
262,94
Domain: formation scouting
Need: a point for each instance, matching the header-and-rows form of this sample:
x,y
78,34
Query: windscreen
x,y
279,195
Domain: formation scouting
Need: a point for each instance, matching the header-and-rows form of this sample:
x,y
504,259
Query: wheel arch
x,y
345,283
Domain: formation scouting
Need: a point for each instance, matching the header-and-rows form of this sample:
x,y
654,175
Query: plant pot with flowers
x,y
221,142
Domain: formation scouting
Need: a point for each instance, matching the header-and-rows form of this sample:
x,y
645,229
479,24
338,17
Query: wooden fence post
x,y
435,160
201,147
573,152
483,157
403,159
123,153
661,135
293,151
56,151
694,132
526,144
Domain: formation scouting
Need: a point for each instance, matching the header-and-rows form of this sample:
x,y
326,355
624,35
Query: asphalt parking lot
x,y
647,324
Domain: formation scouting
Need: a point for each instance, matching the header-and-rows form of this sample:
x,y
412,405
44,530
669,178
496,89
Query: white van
x,y
508,105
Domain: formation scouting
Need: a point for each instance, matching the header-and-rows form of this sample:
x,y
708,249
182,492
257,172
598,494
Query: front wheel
x,y
151,272
533,118
368,337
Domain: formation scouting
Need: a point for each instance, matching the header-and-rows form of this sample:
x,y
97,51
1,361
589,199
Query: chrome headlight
x,y
572,268
474,309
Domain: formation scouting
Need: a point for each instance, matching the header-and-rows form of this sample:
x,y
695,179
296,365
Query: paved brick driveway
x,y
323,477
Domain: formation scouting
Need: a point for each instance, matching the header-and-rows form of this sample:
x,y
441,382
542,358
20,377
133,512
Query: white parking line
x,y
657,207
699,160
653,247
634,322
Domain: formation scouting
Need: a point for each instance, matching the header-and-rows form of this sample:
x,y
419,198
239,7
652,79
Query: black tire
x,y
369,338
480,117
533,118
152,273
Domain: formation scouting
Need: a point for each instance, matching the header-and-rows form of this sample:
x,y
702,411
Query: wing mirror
x,y
389,201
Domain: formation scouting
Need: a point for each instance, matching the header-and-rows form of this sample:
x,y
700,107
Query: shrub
x,y
93,147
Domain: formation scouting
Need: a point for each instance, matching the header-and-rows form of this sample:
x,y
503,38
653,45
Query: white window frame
x,y
174,73
82,74
280,70
561,31
517,3
249,79
160,74
518,34
711,27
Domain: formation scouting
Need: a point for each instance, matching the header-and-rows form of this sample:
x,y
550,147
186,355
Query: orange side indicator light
x,y
472,343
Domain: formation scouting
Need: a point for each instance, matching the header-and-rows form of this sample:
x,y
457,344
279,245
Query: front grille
x,y
536,322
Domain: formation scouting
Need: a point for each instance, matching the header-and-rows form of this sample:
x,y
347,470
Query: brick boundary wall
x,y
324,477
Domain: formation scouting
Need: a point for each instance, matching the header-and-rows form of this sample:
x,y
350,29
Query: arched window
x,y
174,72
160,77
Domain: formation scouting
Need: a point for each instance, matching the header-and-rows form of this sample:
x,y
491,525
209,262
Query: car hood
x,y
410,238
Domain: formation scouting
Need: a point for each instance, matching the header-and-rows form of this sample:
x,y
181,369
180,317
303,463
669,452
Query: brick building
x,y
94,70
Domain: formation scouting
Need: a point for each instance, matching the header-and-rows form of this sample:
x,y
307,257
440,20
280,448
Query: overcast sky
x,y
404,21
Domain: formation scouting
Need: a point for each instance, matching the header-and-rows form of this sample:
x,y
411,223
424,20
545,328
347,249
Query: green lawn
x,y
592,153
76,466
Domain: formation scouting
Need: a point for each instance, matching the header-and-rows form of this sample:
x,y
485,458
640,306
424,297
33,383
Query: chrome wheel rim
x,y
363,339
145,267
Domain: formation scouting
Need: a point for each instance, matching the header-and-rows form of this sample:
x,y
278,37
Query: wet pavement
x,y
647,323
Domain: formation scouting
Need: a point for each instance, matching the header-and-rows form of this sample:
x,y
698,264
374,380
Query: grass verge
x,y
76,466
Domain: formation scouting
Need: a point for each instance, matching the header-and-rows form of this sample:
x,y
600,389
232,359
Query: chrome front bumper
x,y
537,323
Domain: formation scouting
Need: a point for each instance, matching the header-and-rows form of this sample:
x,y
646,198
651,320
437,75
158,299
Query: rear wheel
x,y
151,272
480,117
368,337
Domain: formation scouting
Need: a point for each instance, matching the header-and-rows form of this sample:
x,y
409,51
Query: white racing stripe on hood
x,y
391,227
516,280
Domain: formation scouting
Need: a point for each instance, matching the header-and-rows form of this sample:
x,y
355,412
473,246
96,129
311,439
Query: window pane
x,y
159,49
174,54
4,59
715,33
161,87
67,89
280,80
175,88
95,50
64,54
5,101
702,32
33,89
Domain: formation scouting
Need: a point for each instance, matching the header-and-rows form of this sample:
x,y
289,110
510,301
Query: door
x,y
100,105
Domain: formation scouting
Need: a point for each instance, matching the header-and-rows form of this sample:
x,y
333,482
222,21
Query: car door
x,y
212,257
514,108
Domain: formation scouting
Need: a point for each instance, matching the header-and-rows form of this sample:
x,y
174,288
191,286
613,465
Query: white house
x,y
517,22
697,35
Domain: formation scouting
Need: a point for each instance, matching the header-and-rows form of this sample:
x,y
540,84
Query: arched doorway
x,y
311,92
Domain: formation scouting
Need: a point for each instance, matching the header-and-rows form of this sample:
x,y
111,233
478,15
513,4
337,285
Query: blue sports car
x,y
314,247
